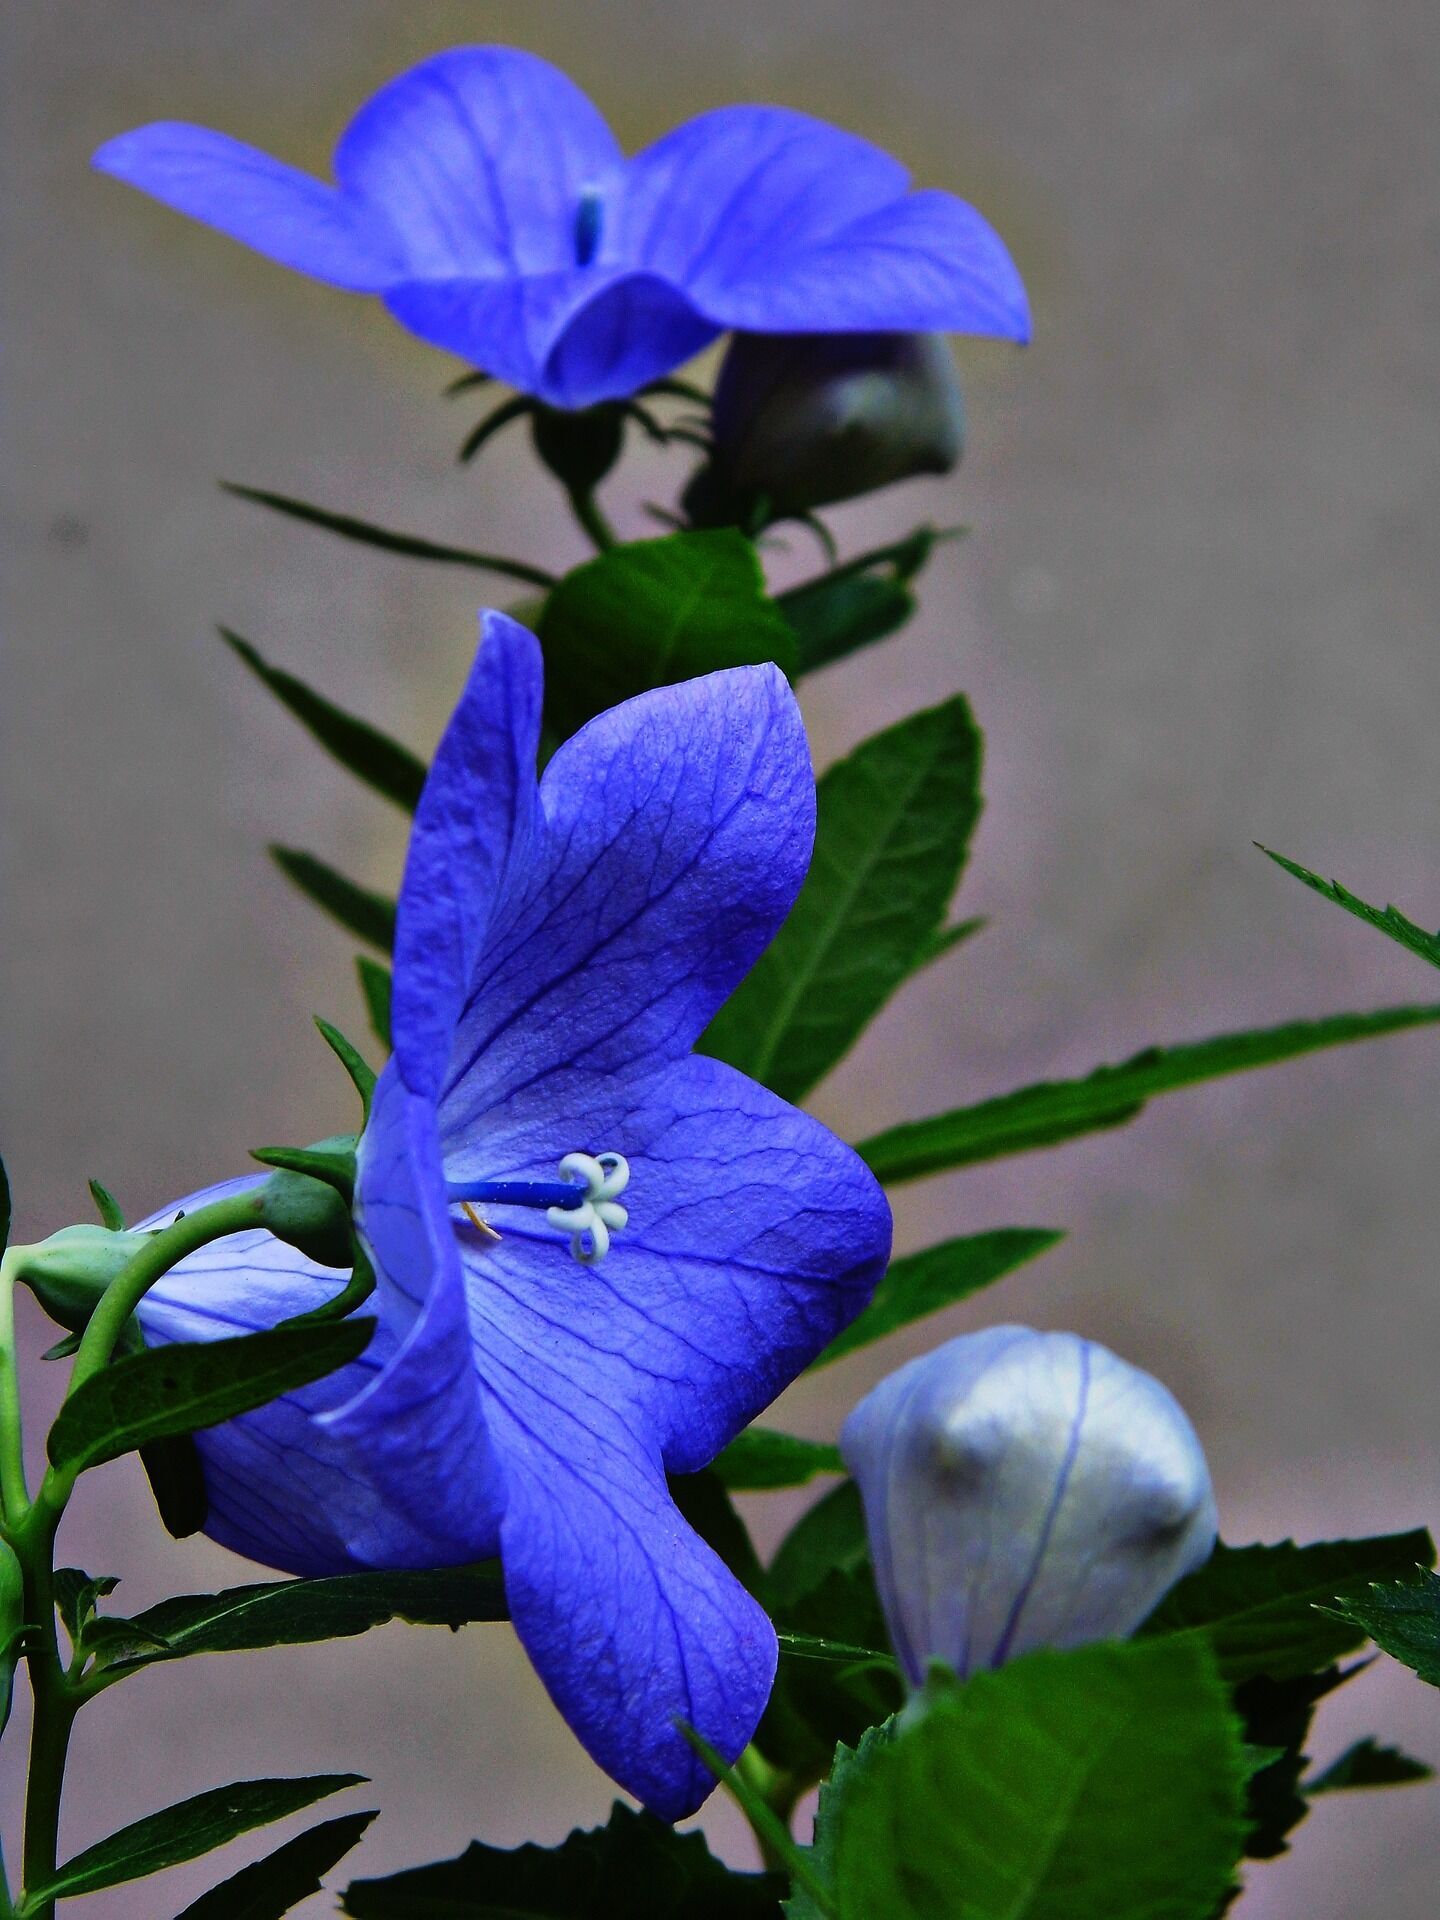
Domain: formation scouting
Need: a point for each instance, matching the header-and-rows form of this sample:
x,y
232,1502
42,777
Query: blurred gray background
x,y
1197,609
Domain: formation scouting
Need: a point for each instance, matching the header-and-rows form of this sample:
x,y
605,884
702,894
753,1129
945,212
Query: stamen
x,y
589,218
584,1204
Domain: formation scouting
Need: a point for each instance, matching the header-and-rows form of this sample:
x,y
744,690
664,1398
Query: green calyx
x,y
69,1272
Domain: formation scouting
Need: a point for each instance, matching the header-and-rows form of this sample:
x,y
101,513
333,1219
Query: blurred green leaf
x,y
372,756
828,1536
290,1613
1259,1607
893,827
1103,1782
833,618
1389,920
760,1460
267,1889
1275,1716
653,612
369,916
1059,1110
921,1283
177,1389
375,989
1368,1764
185,1831
412,545
635,1868
1402,1618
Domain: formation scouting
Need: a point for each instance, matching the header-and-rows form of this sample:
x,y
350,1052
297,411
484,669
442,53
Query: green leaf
x,y
177,1389
177,1482
635,1868
760,1460
372,756
1103,1782
267,1889
76,1595
830,1536
1389,920
1403,1619
375,989
893,825
1058,1110
653,612
112,1214
1276,1716
1368,1764
944,941
410,544
833,618
837,1675
1259,1606
185,1831
921,1283
369,916
292,1613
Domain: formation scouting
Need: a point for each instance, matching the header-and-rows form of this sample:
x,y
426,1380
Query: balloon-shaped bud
x,y
803,420
1024,1490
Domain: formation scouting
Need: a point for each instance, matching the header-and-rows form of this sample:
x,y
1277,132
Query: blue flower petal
x,y
678,828
630,1619
928,264
478,159
736,192
477,821
283,213
754,1237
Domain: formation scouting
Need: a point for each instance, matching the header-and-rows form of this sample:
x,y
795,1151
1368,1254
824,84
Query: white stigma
x,y
596,1213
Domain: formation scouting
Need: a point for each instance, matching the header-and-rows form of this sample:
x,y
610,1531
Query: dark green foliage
x,y
369,916
654,612
1389,920
760,1460
185,1831
267,1889
177,1389
893,826
411,545
1058,1110
1276,1716
829,1535
634,1868
289,1613
1368,1764
4,1208
859,602
921,1283
1259,1607
1019,1790
372,756
1402,1617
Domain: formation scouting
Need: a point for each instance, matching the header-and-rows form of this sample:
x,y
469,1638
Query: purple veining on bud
x,y
809,419
1024,1490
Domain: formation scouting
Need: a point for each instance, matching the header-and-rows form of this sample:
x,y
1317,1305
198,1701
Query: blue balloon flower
x,y
548,1350
483,197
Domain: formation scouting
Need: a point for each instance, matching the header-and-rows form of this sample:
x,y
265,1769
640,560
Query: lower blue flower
x,y
560,947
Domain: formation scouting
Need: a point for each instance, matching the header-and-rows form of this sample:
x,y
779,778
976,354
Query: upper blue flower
x,y
559,950
485,199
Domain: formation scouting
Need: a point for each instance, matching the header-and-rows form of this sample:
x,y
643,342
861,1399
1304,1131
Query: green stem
x,y
779,1790
587,511
56,1693
14,1495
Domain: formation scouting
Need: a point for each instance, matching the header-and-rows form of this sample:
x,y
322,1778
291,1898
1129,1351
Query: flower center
x,y
584,1203
589,217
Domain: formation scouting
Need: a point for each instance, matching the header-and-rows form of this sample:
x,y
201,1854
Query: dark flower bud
x,y
803,420
1024,1490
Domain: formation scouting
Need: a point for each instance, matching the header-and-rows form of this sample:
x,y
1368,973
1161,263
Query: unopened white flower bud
x,y
1024,1490
803,420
